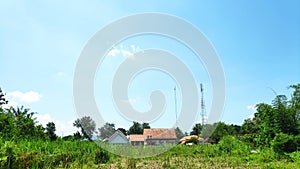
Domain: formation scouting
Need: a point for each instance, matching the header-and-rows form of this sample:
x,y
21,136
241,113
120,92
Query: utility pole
x,y
202,104
175,100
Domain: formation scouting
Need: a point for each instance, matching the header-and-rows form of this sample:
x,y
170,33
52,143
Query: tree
x,y
2,99
40,132
196,129
249,127
223,129
77,136
50,130
7,127
146,126
87,126
136,128
23,121
295,106
179,133
283,143
282,116
123,131
107,130
207,130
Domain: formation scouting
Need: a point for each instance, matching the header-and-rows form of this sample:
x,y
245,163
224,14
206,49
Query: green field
x,y
228,153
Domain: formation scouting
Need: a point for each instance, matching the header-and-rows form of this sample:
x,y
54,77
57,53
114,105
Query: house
x,y
136,139
190,139
118,138
149,137
159,136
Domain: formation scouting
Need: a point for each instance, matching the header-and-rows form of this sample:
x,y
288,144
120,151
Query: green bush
x,y
229,145
101,157
283,143
297,141
295,156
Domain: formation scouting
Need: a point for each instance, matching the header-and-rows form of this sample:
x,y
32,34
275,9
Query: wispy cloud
x,y
121,50
127,53
251,107
62,128
133,48
27,97
10,104
251,116
113,52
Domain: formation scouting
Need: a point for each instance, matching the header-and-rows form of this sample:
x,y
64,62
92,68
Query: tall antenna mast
x,y
202,104
175,100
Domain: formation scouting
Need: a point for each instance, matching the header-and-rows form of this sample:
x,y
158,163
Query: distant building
x,y
149,137
136,139
190,139
160,136
154,137
118,138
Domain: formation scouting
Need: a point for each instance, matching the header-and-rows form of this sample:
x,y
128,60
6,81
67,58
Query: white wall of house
x,y
119,140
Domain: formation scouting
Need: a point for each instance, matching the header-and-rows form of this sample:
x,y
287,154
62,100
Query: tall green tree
x,y
146,126
7,125
223,129
196,129
282,116
136,128
87,126
50,130
24,121
123,131
107,130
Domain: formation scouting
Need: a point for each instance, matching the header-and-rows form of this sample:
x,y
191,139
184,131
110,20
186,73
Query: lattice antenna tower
x,y
203,113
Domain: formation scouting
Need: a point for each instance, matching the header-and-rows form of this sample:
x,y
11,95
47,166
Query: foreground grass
x,y
230,153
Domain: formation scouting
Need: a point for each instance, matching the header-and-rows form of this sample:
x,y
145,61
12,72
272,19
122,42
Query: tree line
x,y
273,125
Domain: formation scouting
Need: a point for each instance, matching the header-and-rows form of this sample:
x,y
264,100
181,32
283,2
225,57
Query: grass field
x,y
229,153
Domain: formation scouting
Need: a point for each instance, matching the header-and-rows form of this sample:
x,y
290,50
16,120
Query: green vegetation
x,y
230,152
270,140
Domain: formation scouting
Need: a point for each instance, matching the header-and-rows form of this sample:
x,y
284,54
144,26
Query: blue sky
x,y
257,43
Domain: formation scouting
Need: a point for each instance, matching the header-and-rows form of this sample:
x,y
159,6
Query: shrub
x,y
101,157
295,156
232,146
131,163
283,143
297,141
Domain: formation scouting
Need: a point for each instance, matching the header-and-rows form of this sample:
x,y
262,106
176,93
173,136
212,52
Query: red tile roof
x,y
160,133
136,137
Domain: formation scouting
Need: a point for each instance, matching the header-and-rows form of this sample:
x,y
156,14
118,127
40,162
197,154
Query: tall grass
x,y
229,153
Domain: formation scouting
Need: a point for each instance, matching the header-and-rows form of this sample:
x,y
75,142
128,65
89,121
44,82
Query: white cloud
x,y
251,116
133,48
113,52
128,54
27,97
10,104
62,128
251,107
